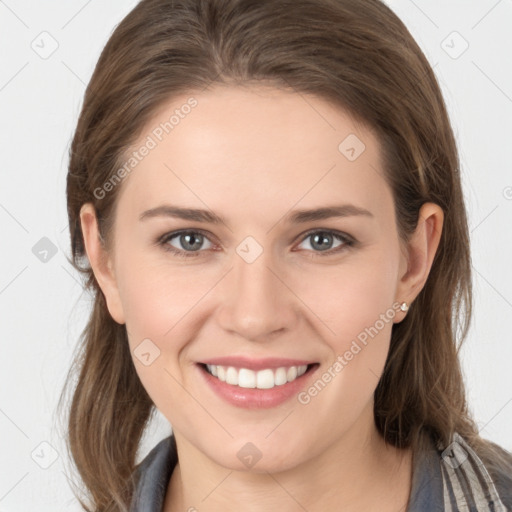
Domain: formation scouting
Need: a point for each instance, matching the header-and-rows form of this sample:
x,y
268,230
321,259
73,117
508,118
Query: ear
x,y
101,262
419,254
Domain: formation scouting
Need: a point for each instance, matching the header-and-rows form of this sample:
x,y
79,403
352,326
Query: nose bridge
x,y
256,303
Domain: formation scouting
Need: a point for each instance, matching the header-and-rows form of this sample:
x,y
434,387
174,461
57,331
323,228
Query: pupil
x,y
187,239
321,238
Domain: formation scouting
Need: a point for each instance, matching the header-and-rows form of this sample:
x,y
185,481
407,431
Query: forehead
x,y
252,147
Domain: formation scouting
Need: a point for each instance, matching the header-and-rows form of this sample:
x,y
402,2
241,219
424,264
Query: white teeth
x,y
265,379
280,377
232,376
262,379
291,374
246,378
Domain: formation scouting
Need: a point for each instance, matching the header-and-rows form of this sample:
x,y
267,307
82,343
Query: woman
x,y
265,200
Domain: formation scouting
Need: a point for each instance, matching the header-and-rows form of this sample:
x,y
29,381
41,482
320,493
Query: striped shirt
x,y
453,479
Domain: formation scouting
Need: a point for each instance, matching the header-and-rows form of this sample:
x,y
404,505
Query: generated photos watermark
x,y
157,135
357,345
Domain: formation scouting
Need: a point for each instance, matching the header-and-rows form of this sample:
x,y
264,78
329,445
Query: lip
x,y
254,398
256,364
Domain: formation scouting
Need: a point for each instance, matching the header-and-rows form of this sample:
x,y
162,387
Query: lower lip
x,y
254,398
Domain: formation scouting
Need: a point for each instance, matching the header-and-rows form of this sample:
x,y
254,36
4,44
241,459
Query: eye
x,y
189,243
321,241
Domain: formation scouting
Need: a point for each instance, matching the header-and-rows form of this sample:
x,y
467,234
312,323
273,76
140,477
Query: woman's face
x,y
269,284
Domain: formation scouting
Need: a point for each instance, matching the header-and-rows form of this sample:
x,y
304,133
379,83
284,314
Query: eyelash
x,y
348,242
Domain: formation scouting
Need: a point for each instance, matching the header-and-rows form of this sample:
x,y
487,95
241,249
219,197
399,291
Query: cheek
x,y
351,296
163,307
356,302
157,296
159,305
159,299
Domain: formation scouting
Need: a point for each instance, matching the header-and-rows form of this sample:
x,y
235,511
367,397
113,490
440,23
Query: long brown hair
x,y
356,54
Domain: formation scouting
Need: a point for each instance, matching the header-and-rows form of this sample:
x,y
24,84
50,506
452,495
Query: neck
x,y
359,472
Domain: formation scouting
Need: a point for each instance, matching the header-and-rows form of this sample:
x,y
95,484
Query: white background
x,y
43,309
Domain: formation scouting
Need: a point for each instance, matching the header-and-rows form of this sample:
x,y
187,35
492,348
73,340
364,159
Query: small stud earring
x,y
404,306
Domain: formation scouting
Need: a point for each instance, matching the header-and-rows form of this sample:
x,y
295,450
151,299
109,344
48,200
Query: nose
x,y
256,302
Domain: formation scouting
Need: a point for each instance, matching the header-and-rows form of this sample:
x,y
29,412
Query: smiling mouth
x,y
267,378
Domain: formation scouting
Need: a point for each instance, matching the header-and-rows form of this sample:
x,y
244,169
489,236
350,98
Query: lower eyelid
x,y
346,242
172,236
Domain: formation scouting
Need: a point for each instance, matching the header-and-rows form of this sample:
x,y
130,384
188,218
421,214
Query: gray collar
x,y
455,476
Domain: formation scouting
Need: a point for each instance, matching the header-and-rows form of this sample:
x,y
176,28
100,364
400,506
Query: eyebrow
x,y
294,217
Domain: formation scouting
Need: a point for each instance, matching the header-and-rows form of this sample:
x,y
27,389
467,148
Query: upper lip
x,y
256,364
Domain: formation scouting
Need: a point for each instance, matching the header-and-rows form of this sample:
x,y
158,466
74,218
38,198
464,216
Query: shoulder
x,y
498,463
480,480
158,455
456,477
152,476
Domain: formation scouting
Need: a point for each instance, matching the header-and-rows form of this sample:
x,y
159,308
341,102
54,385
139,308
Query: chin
x,y
265,456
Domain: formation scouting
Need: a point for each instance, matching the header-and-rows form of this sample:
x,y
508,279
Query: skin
x,y
253,155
